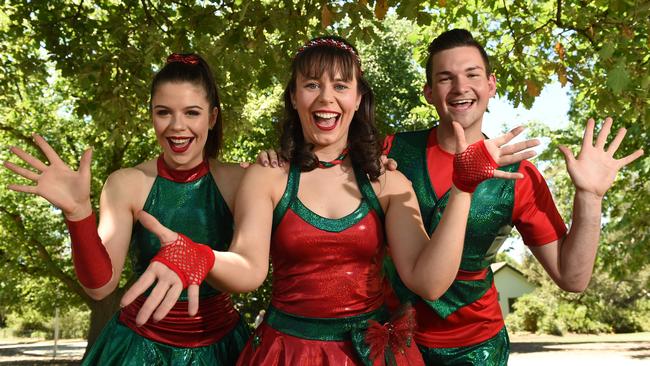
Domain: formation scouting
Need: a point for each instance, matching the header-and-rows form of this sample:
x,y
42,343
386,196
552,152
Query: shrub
x,y
73,323
552,325
528,314
576,318
642,314
29,324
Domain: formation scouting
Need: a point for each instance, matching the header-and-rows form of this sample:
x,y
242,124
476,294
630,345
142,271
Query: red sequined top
x,y
327,268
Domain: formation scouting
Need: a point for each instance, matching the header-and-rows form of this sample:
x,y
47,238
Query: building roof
x,y
497,266
500,265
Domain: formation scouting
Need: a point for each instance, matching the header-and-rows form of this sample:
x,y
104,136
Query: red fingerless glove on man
x,y
189,260
92,263
473,166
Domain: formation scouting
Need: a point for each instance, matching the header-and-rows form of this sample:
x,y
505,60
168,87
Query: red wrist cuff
x,y
92,264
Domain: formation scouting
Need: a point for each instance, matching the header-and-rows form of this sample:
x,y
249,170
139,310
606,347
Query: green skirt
x,y
492,352
119,345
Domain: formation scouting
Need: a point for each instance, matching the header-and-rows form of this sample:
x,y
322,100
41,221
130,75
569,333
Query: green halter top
x,y
196,208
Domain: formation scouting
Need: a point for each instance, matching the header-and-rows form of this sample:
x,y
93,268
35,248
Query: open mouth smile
x,y
462,104
179,144
326,121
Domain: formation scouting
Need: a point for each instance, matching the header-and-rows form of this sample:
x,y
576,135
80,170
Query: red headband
x,y
186,59
329,42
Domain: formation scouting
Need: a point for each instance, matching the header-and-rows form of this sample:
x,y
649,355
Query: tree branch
x,y
27,139
52,268
509,22
150,17
20,95
517,39
79,7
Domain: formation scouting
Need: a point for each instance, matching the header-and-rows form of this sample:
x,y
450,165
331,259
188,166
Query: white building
x,y
510,284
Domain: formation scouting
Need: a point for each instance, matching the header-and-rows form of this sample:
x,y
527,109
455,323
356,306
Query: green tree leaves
x,y
79,72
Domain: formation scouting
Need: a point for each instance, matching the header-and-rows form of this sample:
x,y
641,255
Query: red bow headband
x,y
186,59
329,42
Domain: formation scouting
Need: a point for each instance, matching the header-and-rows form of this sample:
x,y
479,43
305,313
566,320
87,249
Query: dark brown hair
x,y
452,39
312,61
192,68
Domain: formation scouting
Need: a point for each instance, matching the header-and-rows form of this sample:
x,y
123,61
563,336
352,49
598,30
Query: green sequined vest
x,y
196,209
489,222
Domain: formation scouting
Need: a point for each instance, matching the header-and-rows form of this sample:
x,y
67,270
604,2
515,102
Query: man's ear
x,y
492,85
428,93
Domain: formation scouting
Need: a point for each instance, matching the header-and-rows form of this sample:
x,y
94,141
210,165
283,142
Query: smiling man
x,y
465,325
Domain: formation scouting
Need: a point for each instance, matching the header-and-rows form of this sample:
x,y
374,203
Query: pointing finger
x,y
152,224
461,142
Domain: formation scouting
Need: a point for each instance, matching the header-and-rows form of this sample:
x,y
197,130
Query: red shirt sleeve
x,y
534,214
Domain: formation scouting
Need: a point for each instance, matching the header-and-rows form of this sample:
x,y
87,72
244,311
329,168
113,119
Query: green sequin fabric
x,y
119,345
321,329
493,352
290,200
196,209
488,224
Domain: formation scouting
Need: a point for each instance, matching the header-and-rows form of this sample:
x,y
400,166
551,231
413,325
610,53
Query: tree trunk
x,y
100,313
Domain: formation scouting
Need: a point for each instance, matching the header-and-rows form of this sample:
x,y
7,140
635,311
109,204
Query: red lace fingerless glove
x,y
189,260
473,166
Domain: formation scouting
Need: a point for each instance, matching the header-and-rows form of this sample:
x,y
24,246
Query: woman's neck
x,y
330,152
182,176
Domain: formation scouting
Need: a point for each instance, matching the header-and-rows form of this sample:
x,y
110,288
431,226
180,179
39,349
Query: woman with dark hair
x,y
327,219
185,188
363,141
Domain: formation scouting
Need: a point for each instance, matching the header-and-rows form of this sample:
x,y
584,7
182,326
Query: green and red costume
x,y
189,201
465,325
327,288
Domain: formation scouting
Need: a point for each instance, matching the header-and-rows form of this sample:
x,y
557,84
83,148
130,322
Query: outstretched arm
x,y
245,266
570,260
429,266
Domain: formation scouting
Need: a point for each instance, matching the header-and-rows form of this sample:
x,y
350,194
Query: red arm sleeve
x,y
92,263
534,214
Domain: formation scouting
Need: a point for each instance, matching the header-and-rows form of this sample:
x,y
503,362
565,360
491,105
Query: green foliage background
x,y
78,73
620,305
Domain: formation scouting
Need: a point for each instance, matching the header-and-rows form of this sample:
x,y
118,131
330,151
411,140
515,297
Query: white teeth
x,y
461,101
326,115
179,141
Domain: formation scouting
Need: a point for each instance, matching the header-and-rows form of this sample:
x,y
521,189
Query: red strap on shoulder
x,y
92,264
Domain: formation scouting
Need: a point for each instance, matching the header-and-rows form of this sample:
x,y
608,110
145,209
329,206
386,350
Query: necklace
x,y
339,159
